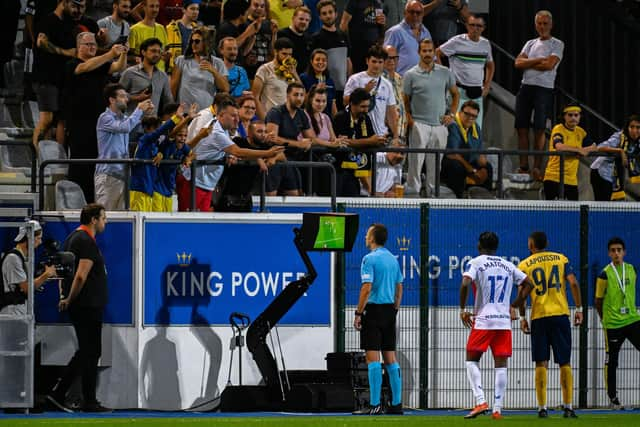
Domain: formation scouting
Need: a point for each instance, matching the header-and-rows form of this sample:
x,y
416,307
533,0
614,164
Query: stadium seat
x,y
445,192
6,120
30,114
493,159
479,193
15,159
14,76
69,195
51,150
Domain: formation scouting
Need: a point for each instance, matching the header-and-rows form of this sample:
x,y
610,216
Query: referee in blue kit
x,y
375,318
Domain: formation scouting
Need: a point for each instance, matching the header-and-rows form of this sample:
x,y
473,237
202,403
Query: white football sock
x,y
475,380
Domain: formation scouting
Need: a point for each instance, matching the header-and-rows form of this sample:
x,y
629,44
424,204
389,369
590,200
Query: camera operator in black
x,y
85,300
15,267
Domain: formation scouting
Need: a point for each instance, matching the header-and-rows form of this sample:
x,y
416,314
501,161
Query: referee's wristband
x,y
523,317
579,309
358,313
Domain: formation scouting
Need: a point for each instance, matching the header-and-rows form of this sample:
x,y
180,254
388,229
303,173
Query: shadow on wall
x,y
159,370
209,398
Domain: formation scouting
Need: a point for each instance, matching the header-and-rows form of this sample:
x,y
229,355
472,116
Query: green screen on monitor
x,y
330,233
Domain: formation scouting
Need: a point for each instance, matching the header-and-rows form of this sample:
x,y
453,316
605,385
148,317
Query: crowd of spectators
x,y
286,80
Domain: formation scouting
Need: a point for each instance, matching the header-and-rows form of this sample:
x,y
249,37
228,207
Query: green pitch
x,y
555,419
330,233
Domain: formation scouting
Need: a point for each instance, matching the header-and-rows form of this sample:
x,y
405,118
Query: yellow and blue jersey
x,y
548,272
573,138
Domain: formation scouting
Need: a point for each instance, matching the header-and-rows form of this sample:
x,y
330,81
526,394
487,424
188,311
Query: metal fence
x,y
194,165
431,338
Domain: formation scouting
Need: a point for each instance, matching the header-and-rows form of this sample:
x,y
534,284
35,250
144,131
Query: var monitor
x,y
329,231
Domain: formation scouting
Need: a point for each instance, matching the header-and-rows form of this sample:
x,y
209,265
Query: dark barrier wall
x,y
600,65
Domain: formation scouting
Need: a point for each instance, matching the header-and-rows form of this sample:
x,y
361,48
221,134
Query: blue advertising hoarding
x,y
453,238
199,273
116,245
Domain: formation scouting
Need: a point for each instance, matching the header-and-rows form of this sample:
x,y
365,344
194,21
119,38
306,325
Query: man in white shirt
x,y
539,61
493,279
382,106
214,147
471,62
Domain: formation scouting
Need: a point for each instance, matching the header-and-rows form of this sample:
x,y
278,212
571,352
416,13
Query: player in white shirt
x,y
492,279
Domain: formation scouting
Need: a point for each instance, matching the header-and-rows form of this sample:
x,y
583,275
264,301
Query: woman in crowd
x,y
315,108
247,113
608,173
317,75
198,75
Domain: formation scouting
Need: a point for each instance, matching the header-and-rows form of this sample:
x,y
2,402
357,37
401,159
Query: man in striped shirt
x,y
471,62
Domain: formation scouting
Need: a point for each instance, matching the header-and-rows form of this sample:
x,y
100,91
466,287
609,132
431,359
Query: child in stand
x,y
143,176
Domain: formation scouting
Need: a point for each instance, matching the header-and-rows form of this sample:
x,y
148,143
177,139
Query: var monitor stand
x,y
324,232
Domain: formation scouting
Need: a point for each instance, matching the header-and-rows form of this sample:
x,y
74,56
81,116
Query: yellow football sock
x,y
566,383
541,386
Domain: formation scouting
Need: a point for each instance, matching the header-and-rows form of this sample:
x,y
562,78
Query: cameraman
x,y
85,300
14,273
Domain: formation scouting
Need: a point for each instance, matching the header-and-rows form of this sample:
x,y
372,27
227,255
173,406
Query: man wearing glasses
x,y
84,80
406,35
471,62
460,171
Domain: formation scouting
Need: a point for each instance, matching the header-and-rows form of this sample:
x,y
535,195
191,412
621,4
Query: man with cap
x,y
15,272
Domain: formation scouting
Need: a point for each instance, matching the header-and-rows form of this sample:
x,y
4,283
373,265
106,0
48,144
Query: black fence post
x,y
424,305
339,289
583,356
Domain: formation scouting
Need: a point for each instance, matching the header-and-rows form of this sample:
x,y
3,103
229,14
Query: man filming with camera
x,y
85,301
15,265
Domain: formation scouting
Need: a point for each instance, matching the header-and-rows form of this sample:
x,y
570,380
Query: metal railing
x,y
310,165
194,165
127,162
34,157
500,153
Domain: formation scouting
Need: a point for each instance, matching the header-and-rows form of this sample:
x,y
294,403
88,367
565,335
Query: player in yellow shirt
x,y
550,326
569,137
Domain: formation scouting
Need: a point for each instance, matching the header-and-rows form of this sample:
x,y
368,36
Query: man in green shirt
x,y
616,306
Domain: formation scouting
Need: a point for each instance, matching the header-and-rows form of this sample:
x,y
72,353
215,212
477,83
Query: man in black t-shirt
x,y
85,300
243,180
337,45
284,124
85,78
54,44
297,33
261,51
364,20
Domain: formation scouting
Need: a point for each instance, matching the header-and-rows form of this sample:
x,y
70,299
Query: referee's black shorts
x,y
378,328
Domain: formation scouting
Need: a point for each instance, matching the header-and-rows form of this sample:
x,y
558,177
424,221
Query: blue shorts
x,y
536,98
552,332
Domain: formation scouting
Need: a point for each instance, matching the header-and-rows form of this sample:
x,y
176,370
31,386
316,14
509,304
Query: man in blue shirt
x,y
113,130
375,318
460,171
406,35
